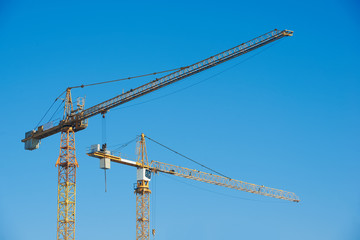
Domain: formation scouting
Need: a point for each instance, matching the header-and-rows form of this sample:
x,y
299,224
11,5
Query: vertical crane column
x,y
67,165
143,192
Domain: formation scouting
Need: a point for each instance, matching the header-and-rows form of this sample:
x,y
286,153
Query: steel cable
x,y
123,79
201,81
187,157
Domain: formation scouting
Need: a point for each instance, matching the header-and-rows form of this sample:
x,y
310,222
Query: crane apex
x,y
288,33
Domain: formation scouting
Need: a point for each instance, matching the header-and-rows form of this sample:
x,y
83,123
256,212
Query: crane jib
x,y
186,72
200,176
223,181
32,137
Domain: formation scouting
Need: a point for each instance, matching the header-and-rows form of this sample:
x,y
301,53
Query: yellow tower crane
x,y
76,120
145,168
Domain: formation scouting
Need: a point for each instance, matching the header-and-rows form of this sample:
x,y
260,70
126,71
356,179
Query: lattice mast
x,y
142,192
67,165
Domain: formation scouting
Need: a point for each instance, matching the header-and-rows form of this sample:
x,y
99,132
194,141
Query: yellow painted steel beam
x,y
67,165
223,181
196,175
142,192
143,216
116,159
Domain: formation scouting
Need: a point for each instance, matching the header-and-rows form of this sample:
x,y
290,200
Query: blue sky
x,y
286,116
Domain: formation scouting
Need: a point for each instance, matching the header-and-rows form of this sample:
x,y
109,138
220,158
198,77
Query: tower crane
x,y
146,168
75,120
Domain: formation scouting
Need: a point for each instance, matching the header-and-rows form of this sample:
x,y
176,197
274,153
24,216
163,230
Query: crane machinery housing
x,y
76,120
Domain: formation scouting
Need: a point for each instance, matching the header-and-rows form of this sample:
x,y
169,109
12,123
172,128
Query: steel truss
x,y
67,165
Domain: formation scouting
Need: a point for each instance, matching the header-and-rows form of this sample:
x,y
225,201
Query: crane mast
x,y
142,192
76,120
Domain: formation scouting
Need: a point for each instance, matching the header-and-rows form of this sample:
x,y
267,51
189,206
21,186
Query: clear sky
x,y
286,116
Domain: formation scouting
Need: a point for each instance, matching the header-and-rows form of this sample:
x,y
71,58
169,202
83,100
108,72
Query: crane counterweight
x,y
31,143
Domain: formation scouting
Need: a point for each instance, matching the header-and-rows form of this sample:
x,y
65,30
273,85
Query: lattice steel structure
x,y
142,192
222,181
67,165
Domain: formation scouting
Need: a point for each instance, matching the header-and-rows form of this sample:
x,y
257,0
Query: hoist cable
x,y
49,109
93,84
45,113
187,157
123,79
104,140
219,193
56,110
201,81
124,145
144,75
153,205
105,180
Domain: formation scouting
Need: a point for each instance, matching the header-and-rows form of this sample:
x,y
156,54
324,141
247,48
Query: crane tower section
x,y
142,192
